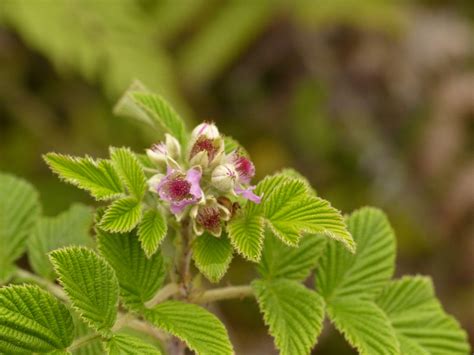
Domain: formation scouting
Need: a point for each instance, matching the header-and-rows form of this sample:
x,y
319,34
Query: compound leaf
x,y
122,215
280,261
199,329
68,228
139,277
124,344
365,273
152,231
212,255
364,326
32,320
130,171
246,234
420,323
161,114
90,284
19,210
98,177
293,313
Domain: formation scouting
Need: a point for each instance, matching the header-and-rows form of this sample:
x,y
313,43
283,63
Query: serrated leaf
x,y
246,234
152,231
98,177
364,325
130,171
19,210
280,261
212,255
122,215
199,329
90,283
420,323
32,320
124,344
139,277
293,313
68,228
161,114
342,274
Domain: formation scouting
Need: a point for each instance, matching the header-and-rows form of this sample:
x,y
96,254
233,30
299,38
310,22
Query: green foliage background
x,y
371,100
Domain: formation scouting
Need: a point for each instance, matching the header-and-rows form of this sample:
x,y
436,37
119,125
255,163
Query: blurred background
x,y
372,100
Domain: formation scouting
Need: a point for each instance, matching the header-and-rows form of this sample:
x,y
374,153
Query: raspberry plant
x,y
131,287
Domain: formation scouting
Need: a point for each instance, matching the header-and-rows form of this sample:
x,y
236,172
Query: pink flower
x,y
244,167
180,189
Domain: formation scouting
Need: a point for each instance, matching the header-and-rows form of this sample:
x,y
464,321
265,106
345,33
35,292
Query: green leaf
x,y
130,171
246,234
19,210
32,320
420,323
98,177
199,329
94,347
90,284
152,231
122,215
293,313
289,208
161,114
342,274
139,277
280,261
212,255
124,344
68,228
364,325
232,145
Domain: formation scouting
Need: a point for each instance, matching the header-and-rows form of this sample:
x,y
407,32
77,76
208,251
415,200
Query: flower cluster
x,y
202,181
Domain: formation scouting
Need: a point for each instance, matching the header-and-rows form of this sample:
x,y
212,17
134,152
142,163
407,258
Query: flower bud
x,y
224,177
161,152
206,129
209,217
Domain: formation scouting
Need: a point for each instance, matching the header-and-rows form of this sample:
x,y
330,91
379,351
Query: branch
x,y
162,295
79,343
224,293
50,286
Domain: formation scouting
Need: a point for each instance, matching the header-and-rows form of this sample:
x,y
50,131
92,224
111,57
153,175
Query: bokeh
x,y
373,100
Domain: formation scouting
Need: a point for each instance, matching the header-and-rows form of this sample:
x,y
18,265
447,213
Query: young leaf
x,y
200,330
139,277
19,210
421,325
124,344
152,231
130,171
246,234
90,284
280,261
68,228
122,216
341,274
32,321
161,114
97,177
212,256
293,313
364,325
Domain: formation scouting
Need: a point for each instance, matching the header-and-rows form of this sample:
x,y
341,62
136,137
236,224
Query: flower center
x,y
204,144
209,218
178,189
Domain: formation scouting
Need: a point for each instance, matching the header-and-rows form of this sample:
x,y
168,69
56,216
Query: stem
x,y
224,293
83,341
185,269
50,286
162,295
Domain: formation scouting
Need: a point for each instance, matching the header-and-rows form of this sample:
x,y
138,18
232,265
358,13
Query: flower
x,y
178,188
243,166
163,151
207,146
209,217
224,177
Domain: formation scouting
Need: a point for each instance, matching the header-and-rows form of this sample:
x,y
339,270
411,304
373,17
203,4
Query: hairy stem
x,y
87,339
162,295
223,293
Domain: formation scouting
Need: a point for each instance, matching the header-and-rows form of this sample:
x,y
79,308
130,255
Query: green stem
x,y
224,293
50,286
166,292
83,341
